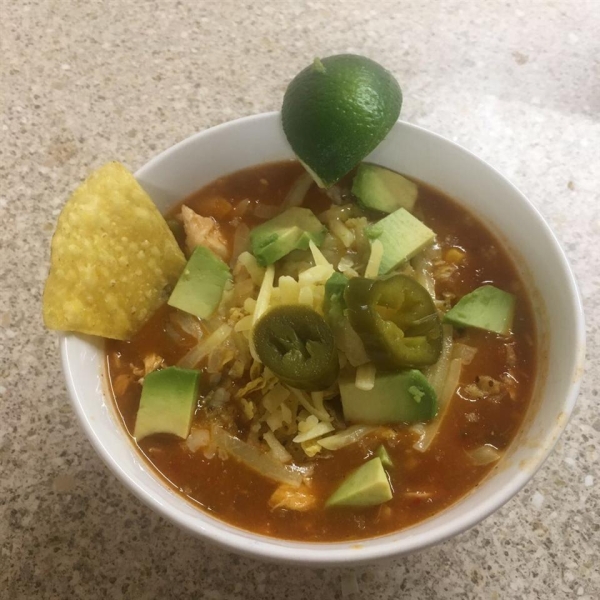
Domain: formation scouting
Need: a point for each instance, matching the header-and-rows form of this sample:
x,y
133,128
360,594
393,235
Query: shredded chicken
x,y
291,498
443,270
511,355
203,231
121,383
484,386
511,384
152,362
136,371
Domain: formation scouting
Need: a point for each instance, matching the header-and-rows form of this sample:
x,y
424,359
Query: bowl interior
x,y
186,167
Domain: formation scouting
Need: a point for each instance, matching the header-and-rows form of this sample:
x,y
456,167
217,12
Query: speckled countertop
x,y
81,83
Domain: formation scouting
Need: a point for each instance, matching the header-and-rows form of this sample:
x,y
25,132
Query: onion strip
x,y
187,323
266,211
205,347
484,455
423,266
438,373
428,432
279,452
240,242
298,191
345,437
264,464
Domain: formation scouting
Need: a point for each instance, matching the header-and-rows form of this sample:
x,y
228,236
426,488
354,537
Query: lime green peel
x,y
336,111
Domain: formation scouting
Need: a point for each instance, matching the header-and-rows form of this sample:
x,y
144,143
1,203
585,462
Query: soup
x,y
424,391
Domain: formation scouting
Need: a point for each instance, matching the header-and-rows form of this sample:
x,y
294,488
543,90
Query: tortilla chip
x,y
114,259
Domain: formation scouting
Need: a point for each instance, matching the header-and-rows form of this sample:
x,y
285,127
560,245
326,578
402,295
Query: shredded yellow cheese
x,y
255,271
264,295
318,257
318,430
342,232
306,296
289,290
372,269
365,377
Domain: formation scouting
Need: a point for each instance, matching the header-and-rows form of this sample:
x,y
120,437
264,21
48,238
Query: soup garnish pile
x,y
307,362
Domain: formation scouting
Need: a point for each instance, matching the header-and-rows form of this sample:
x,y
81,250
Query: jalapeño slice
x,y
297,345
396,320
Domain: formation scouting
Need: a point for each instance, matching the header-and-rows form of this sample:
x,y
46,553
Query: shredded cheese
x,y
365,377
318,257
249,305
372,269
264,295
342,232
313,275
244,324
255,271
306,296
279,452
289,290
322,415
314,432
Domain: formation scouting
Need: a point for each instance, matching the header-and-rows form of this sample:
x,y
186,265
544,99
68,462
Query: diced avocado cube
x,y
487,308
382,189
402,235
293,229
201,284
366,486
384,456
400,397
168,401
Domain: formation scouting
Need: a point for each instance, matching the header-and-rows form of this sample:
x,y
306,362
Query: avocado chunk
x,y
366,486
384,456
402,235
169,397
293,229
487,308
200,287
400,397
383,190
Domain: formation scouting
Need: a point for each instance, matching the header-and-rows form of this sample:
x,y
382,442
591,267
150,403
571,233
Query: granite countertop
x,y
85,82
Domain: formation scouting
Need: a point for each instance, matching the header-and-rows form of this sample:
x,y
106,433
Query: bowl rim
x,y
341,553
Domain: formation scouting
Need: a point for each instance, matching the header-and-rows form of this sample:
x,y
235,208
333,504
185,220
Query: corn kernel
x,y
454,255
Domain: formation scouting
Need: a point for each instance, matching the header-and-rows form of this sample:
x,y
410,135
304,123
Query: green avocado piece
x,y
402,235
200,287
366,486
383,190
169,397
396,397
383,455
487,308
293,229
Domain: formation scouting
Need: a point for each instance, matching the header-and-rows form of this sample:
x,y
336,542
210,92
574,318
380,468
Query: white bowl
x,y
188,166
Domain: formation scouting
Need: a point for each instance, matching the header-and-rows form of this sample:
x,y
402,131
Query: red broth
x,y
424,483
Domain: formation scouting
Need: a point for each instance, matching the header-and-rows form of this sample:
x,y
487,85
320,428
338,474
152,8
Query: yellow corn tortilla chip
x,y
113,258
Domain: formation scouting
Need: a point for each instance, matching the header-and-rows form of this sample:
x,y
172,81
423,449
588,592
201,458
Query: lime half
x,y
336,111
